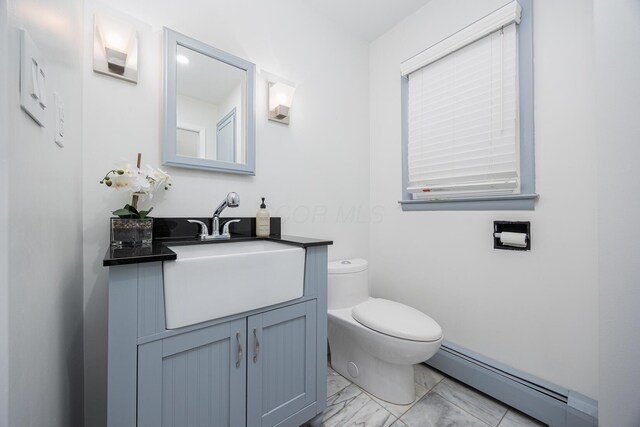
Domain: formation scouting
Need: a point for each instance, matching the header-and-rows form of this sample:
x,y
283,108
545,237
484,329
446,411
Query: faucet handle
x,y
225,227
204,231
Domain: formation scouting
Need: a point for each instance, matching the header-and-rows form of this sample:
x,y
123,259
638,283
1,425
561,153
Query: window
x,y
467,118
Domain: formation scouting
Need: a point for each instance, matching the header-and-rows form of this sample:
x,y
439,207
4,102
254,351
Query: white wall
x,y
535,311
314,173
45,225
4,222
617,43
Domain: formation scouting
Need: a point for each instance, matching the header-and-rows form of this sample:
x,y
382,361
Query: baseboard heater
x,y
551,404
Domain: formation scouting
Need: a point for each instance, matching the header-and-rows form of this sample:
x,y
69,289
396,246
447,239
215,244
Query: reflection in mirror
x,y
209,112
210,108
190,141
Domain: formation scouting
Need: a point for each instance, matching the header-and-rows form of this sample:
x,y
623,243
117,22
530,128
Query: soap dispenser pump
x,y
263,221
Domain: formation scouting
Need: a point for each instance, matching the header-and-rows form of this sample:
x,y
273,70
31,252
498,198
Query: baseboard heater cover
x,y
549,403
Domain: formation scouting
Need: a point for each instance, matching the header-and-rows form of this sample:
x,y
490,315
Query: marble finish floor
x,y
440,402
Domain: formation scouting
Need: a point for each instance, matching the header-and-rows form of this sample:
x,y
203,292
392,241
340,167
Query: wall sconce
x,y
280,98
115,48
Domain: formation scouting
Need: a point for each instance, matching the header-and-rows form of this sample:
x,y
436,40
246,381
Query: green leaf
x,y
124,213
145,214
132,210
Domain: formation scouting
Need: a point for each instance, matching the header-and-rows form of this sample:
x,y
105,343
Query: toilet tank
x,y
348,283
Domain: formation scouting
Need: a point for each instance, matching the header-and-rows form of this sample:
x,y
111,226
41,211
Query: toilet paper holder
x,y
523,227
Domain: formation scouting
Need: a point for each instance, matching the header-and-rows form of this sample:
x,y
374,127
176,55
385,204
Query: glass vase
x,y
130,232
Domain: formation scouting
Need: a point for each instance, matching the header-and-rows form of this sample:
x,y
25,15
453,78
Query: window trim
x,y
527,197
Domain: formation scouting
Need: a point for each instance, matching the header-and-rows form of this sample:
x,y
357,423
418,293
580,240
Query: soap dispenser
x,y
263,221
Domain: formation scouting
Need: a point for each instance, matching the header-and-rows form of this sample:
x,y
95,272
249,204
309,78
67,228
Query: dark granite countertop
x,y
160,249
178,231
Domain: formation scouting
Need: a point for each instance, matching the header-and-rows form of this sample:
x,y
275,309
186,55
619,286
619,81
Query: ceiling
x,y
366,19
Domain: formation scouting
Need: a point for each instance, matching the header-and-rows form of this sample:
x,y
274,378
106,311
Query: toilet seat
x,y
397,320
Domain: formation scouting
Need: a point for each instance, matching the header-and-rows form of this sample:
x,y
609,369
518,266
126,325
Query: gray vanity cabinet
x,y
281,364
261,368
199,378
194,379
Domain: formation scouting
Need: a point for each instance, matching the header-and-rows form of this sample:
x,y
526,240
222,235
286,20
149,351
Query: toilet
x,y
375,342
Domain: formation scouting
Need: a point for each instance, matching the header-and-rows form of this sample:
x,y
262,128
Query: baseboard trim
x,y
547,402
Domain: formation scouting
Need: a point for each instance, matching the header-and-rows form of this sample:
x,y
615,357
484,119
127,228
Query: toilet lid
x,y
397,320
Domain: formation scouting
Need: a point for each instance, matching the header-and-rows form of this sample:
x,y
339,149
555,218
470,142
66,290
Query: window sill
x,y
516,202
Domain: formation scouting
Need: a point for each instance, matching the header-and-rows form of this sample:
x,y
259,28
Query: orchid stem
x,y
134,199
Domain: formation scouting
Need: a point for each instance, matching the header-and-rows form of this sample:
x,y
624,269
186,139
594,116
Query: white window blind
x,y
463,130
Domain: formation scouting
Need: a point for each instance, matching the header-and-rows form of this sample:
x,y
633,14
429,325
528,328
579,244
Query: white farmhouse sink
x,y
209,281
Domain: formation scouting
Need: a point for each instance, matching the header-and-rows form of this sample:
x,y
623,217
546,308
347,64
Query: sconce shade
x,y
281,112
280,99
116,60
115,48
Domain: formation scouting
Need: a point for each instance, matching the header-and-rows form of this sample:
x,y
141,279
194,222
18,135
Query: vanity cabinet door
x,y
196,379
281,363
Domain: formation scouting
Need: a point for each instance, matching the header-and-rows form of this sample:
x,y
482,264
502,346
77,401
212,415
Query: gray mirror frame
x,y
171,41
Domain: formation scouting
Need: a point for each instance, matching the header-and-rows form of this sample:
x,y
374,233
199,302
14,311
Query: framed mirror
x,y
209,107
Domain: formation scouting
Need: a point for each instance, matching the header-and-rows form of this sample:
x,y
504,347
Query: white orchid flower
x,y
141,182
125,182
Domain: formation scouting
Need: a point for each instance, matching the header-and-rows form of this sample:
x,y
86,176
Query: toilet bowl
x,y
375,342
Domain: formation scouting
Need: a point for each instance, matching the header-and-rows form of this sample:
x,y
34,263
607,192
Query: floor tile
x,y
473,402
514,418
335,383
398,410
355,411
343,401
425,376
350,392
330,371
434,411
449,404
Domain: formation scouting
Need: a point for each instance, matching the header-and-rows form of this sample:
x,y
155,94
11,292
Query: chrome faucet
x,y
232,200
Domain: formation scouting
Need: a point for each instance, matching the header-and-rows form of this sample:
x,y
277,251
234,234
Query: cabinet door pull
x,y
239,354
257,352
